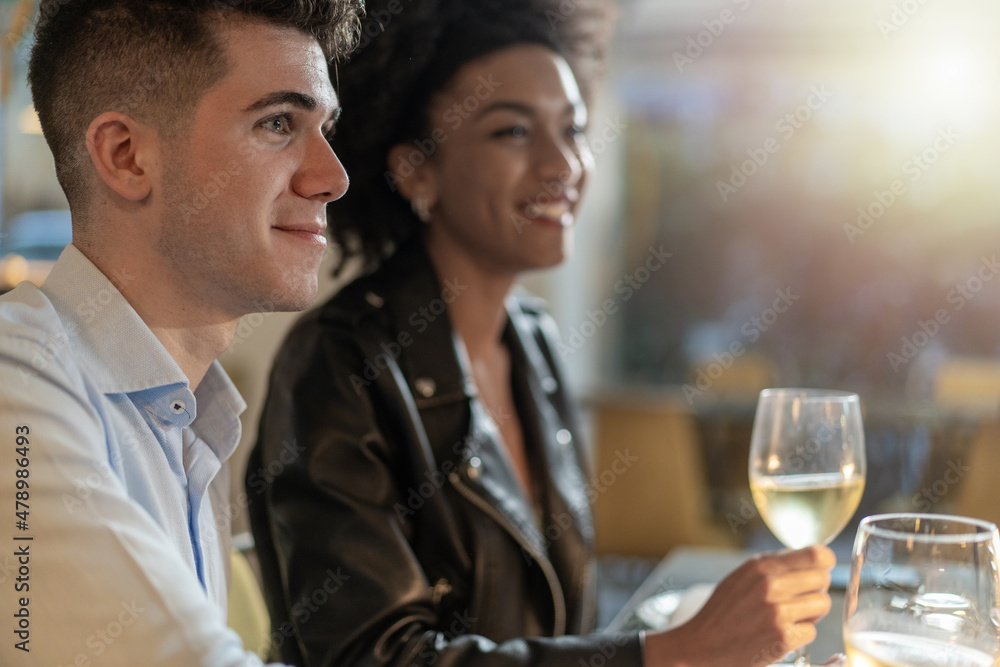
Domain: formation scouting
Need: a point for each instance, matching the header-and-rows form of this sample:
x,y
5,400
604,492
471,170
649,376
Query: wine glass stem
x,y
802,656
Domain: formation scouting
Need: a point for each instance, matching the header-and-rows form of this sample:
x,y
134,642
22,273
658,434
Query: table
x,y
687,566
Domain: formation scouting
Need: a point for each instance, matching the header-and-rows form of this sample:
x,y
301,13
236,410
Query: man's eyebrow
x,y
300,100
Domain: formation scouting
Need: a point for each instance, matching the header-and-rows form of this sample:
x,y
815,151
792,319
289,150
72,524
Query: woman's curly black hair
x,y
409,50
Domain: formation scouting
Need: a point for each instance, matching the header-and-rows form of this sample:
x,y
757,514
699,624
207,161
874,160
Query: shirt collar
x,y
116,348
121,355
219,408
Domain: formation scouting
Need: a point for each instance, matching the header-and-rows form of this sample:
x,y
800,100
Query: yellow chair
x,y
969,383
968,483
247,612
972,480
649,484
745,376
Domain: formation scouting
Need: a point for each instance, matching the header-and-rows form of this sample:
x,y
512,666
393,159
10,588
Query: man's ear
x,y
411,173
122,151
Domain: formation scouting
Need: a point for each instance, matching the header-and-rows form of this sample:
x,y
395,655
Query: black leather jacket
x,y
389,526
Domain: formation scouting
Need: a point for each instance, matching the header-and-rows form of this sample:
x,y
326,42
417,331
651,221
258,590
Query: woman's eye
x,y
514,131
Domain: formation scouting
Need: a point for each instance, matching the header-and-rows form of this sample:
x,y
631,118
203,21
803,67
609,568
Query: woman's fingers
x,y
805,608
791,584
814,557
768,606
780,576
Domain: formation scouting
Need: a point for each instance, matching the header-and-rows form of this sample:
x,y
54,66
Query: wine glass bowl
x,y
807,463
923,592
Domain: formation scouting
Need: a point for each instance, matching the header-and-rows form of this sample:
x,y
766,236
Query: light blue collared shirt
x,y
122,557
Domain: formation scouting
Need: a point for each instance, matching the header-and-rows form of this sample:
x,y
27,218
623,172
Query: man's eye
x,y
280,124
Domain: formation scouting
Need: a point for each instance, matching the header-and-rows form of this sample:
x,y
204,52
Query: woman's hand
x,y
761,611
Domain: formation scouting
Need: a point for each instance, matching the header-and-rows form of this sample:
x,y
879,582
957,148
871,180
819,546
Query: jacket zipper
x,y
558,598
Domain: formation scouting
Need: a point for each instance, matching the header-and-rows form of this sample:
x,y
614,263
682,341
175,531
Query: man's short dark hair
x,y
150,59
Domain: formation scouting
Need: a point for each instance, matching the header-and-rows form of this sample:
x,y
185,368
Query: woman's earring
x,y
421,208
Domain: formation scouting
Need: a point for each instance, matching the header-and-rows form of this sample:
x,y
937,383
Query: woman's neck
x,y
479,313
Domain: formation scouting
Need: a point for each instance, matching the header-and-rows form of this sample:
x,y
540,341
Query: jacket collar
x,y
419,314
432,355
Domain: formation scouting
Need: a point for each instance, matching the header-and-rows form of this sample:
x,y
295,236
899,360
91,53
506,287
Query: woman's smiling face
x,y
505,181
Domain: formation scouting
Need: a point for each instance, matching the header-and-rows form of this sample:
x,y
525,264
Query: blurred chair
x,y
969,384
746,375
649,486
247,612
968,479
977,490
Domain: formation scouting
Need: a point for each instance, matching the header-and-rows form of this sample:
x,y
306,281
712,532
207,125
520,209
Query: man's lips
x,y
311,233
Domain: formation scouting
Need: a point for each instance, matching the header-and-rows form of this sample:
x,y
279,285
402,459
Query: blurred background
x,y
824,179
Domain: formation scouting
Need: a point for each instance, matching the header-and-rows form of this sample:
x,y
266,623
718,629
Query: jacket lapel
x,y
567,488
437,368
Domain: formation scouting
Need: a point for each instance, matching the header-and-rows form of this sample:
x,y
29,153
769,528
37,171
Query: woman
x,y
418,420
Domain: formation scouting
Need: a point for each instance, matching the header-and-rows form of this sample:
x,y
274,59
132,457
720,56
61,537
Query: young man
x,y
191,141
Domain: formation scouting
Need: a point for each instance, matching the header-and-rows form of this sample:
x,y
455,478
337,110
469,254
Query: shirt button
x,y
549,384
425,387
564,437
178,407
374,299
473,469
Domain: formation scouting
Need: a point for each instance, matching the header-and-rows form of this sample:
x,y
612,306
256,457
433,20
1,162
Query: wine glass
x,y
923,592
807,466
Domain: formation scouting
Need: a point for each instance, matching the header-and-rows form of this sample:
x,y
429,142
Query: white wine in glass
x,y
807,465
923,592
807,509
